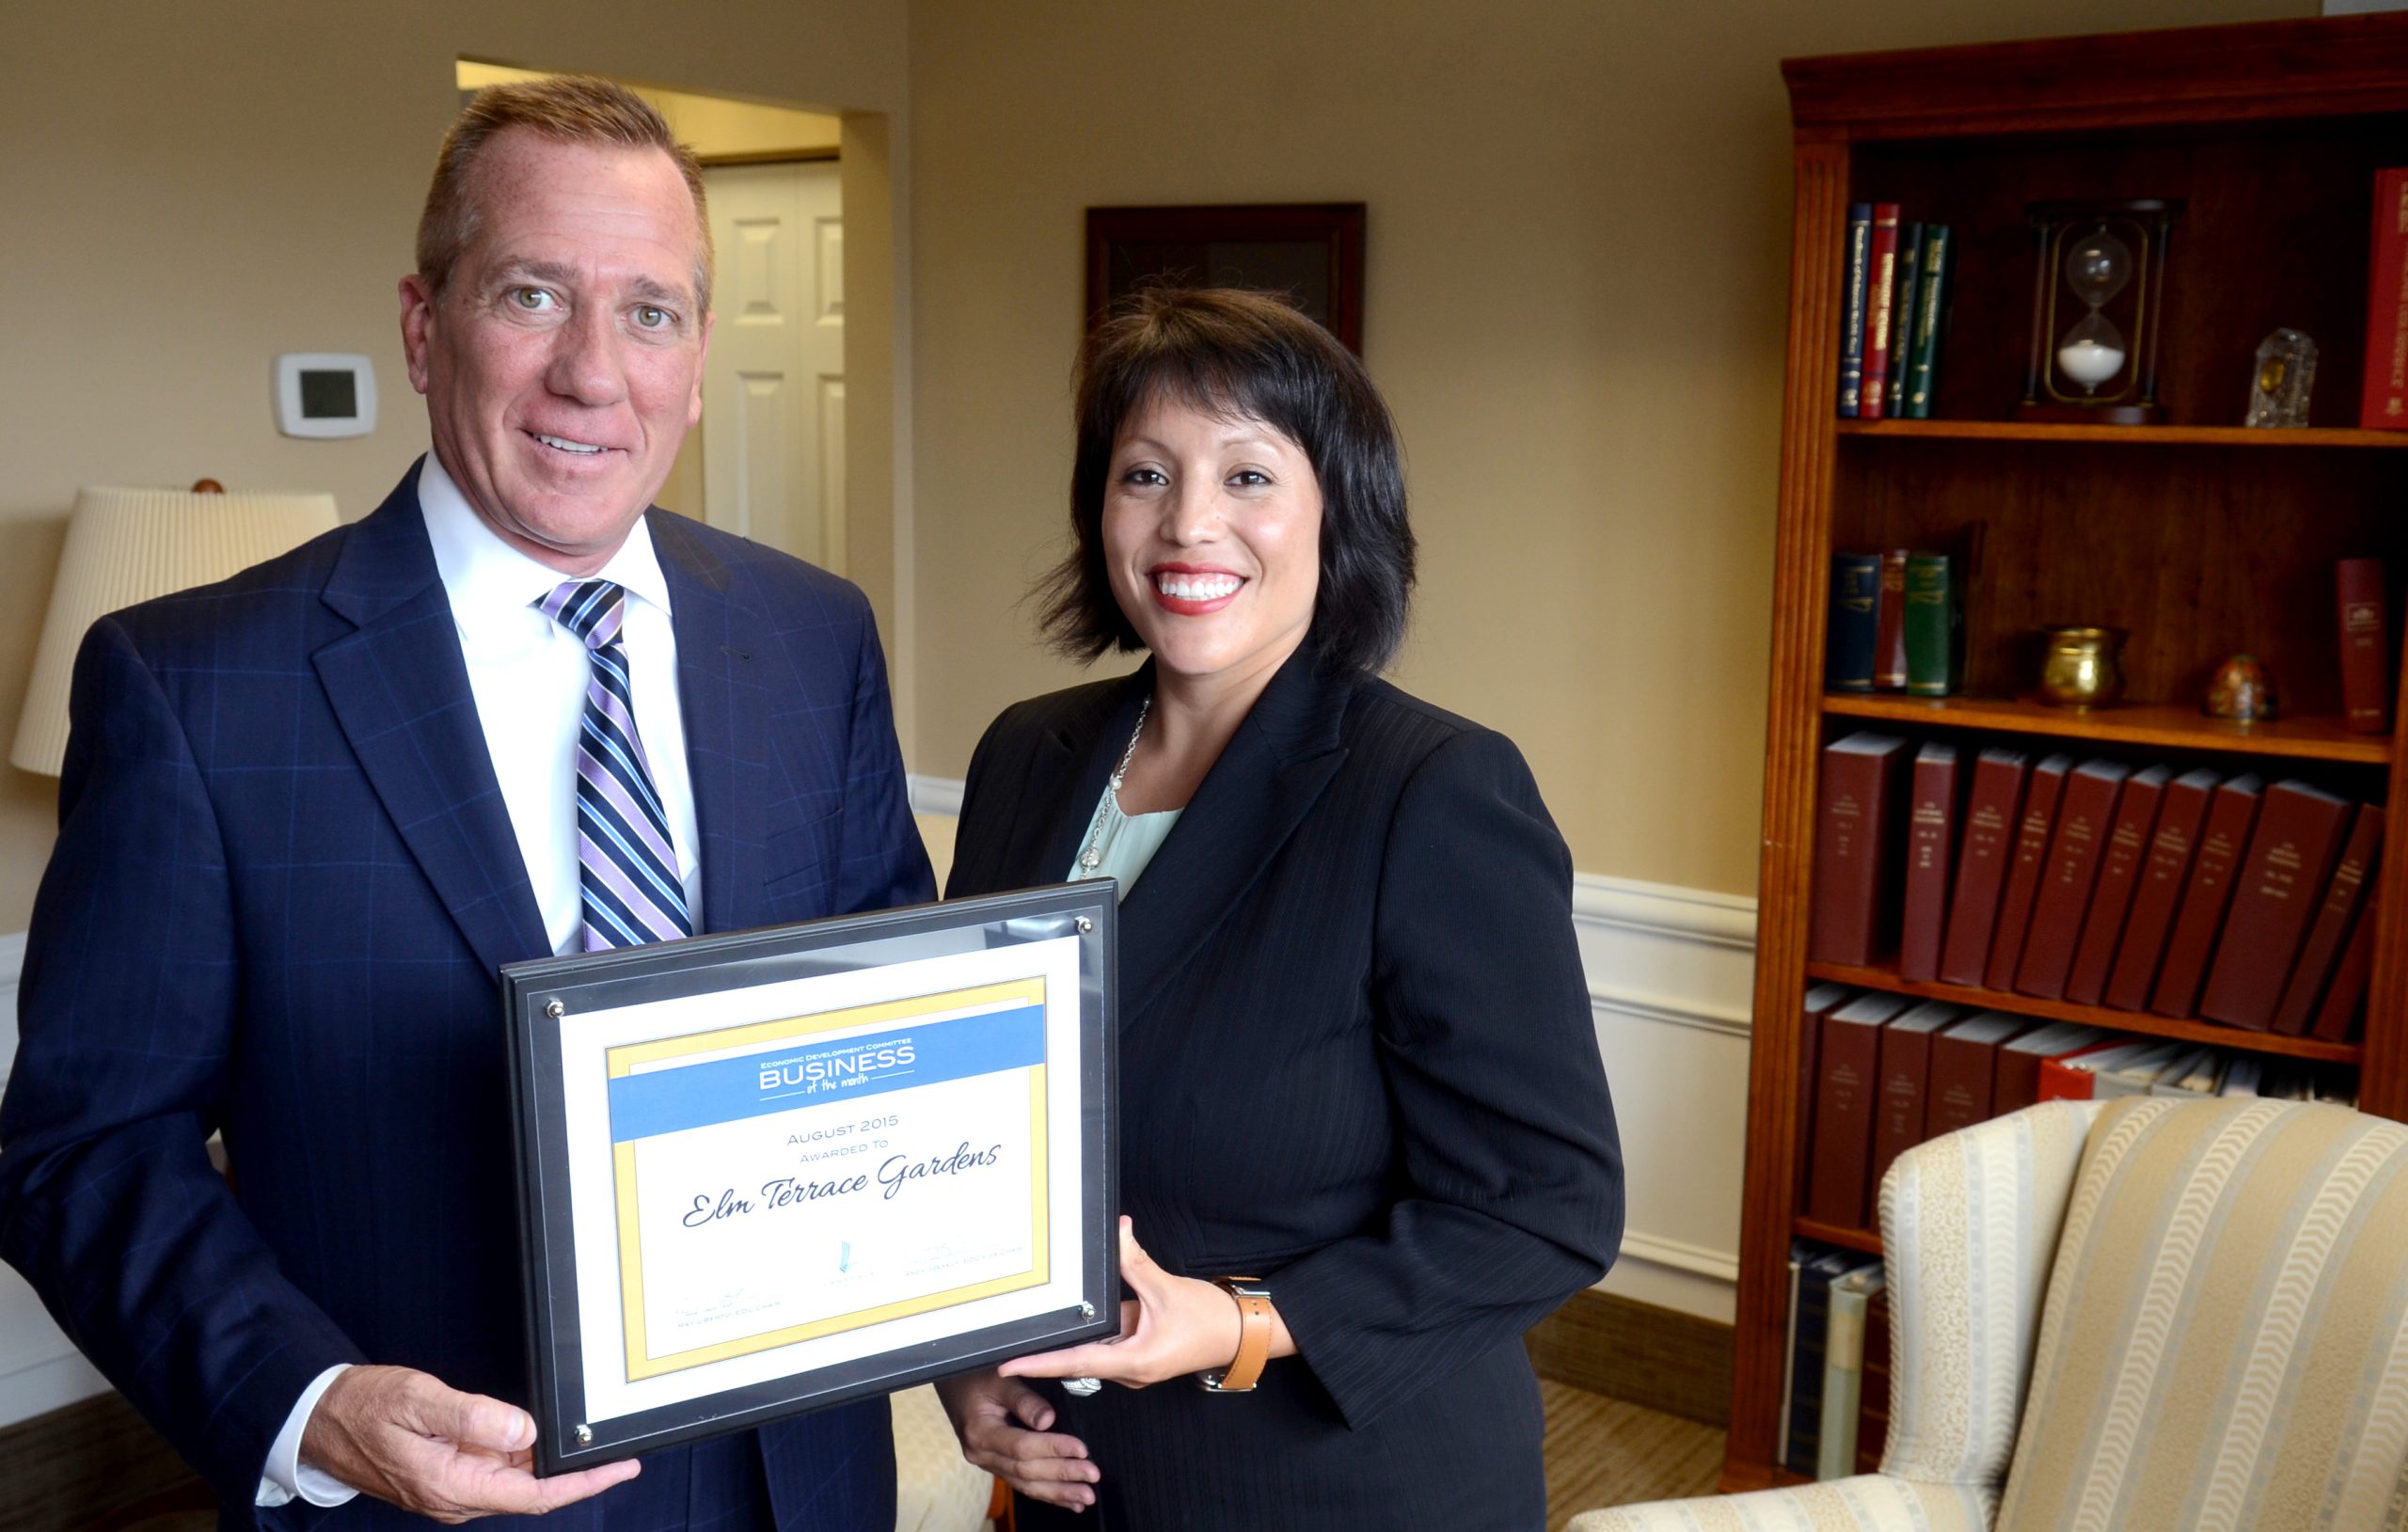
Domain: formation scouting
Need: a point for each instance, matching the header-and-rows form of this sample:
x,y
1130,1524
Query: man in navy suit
x,y
307,813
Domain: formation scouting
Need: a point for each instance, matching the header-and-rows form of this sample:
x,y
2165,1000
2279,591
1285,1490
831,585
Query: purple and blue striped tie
x,y
626,864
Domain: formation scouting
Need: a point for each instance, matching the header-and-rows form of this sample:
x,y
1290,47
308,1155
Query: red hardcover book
x,y
1983,856
2338,1018
2074,1076
2226,837
2353,876
2119,872
1890,624
1964,1068
1856,851
2274,896
2084,819
1880,315
2384,404
2017,1082
2366,645
1906,1063
1848,1072
1931,816
2164,876
2031,835
1820,1002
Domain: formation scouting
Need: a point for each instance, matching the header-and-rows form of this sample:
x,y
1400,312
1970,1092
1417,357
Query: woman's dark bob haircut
x,y
1242,356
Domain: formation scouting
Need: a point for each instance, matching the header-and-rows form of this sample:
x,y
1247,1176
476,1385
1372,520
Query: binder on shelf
x,y
2023,876
1848,1072
2120,865
1984,852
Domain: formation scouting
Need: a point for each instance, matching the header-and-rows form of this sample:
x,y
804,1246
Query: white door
x,y
773,389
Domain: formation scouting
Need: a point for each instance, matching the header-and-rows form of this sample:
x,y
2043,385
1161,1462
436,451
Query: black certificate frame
x,y
543,997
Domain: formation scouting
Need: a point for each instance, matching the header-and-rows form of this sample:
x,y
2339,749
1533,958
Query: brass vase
x,y
2084,667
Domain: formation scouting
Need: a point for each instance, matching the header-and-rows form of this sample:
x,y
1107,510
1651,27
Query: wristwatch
x,y
1254,1338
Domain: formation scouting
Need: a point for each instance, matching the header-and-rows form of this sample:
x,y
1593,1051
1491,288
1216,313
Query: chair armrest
x,y
1969,1223
1867,1503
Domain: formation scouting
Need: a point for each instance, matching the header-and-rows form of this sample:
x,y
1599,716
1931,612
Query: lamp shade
x,y
125,545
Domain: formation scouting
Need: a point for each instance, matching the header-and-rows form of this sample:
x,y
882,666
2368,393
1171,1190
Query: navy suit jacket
x,y
1357,1059
284,880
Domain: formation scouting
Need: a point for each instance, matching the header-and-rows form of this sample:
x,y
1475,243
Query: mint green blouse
x,y
1127,841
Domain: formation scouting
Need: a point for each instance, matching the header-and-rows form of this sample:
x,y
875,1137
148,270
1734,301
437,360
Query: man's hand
x,y
401,1436
1006,1429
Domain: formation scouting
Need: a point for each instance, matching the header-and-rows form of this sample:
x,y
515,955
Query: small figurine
x,y
2286,371
2243,689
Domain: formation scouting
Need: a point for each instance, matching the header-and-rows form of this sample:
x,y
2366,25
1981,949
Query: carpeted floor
x,y
1603,1452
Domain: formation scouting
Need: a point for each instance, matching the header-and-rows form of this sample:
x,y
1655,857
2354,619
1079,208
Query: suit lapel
x,y
1268,778
718,685
400,692
1075,761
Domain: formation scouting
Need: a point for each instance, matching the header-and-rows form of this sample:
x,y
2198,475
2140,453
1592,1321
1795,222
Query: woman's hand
x,y
1003,1426
1175,1326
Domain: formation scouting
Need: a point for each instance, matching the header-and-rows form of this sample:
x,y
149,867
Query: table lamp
x,y
125,545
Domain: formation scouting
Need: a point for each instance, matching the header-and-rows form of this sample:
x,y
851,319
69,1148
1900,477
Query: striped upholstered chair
x,y
2160,1315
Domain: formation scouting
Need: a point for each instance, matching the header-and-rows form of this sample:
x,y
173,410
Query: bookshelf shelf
x,y
2195,536
2160,436
1867,1241
2160,725
2238,1039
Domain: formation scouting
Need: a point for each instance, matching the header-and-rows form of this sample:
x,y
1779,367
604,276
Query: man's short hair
x,y
566,109
1236,354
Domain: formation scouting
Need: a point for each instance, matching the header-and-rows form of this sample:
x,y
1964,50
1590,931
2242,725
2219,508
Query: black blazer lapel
x,y
400,690
1073,763
717,687
1268,778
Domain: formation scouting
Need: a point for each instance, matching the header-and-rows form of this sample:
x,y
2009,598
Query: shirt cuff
x,y
285,1475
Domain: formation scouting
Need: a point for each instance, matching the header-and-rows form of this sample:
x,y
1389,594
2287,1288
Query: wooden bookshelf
x,y
2198,537
2159,726
2140,1023
2081,435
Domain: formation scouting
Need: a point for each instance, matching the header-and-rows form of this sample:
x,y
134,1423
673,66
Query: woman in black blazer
x,y
1363,1129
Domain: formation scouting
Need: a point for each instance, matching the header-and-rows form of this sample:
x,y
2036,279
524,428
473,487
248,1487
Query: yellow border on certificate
x,y
624,1059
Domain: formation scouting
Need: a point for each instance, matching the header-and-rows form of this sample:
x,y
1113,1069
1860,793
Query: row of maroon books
x,y
1884,1072
2196,894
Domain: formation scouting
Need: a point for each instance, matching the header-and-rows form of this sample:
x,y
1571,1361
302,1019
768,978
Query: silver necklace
x,y
1092,858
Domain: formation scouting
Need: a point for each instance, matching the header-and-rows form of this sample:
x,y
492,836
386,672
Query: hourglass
x,y
2097,308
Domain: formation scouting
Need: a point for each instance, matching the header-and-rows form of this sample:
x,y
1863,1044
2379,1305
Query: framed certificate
x,y
769,1172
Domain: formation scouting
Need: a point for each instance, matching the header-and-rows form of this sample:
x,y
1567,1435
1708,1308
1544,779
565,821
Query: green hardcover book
x,y
1843,1371
1930,323
1935,626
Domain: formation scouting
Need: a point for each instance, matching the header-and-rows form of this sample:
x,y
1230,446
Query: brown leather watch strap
x,y
1254,1338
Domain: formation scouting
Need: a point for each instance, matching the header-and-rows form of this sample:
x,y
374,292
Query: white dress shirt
x,y
528,675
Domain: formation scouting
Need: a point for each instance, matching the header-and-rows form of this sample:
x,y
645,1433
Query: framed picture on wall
x,y
1311,252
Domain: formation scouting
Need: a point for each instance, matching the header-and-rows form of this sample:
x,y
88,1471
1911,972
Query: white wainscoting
x,y
40,1370
1671,973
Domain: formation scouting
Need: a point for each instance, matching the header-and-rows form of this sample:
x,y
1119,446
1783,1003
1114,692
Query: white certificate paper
x,y
772,1180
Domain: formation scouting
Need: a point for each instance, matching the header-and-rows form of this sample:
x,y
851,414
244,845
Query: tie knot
x,y
589,608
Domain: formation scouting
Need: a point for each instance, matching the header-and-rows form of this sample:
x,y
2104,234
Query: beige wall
x,y
194,189
1578,269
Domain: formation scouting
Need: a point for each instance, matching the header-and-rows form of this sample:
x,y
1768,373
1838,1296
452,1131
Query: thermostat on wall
x,y
324,394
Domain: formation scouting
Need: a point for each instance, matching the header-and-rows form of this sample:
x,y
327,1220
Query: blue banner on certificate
x,y
776,1170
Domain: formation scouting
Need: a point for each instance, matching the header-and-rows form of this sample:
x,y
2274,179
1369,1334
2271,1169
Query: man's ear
x,y
694,410
418,326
